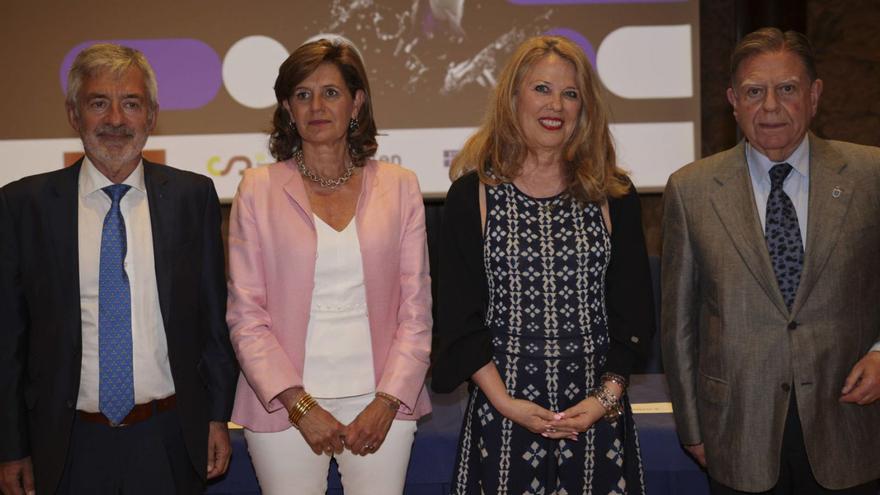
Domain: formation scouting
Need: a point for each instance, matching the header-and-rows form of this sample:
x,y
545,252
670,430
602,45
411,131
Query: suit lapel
x,y
368,189
734,203
162,222
831,192
294,187
362,217
63,215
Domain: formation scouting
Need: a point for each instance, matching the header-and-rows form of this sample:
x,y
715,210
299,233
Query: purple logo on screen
x,y
578,38
188,71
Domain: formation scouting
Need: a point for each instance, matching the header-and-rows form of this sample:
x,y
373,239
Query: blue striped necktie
x,y
116,389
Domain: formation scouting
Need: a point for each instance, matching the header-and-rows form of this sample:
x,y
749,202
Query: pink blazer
x,y
272,249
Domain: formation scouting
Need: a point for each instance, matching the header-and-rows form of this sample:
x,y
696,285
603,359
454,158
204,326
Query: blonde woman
x,y
544,287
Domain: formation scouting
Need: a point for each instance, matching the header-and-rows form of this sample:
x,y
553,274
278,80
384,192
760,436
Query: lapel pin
x,y
835,193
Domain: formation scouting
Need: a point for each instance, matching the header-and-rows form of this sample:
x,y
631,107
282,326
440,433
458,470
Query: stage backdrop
x,y
431,64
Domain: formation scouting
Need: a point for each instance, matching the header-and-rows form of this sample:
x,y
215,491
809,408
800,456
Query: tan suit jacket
x,y
733,352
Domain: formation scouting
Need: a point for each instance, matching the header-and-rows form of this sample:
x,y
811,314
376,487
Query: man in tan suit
x,y
771,291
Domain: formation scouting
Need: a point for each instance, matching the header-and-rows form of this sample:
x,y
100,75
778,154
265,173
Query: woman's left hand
x,y
367,432
575,420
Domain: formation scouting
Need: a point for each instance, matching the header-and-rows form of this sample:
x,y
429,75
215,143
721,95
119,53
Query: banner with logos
x,y
431,64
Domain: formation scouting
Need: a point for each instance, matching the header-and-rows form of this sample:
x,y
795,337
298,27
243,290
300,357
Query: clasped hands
x,y
567,424
326,435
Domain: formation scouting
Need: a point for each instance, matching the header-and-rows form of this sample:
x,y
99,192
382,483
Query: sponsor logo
x,y
218,168
390,159
448,156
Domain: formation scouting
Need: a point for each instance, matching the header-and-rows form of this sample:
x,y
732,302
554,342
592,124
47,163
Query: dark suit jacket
x,y
732,350
40,328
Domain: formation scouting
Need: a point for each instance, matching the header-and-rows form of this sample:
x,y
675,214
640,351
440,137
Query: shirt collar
x,y
91,180
760,165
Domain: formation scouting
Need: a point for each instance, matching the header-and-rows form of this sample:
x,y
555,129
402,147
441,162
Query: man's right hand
x,y
698,452
17,477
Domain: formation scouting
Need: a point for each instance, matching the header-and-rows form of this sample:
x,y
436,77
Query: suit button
x,y
792,325
70,403
786,387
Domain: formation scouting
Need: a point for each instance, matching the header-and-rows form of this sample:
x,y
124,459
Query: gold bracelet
x,y
614,378
302,406
392,401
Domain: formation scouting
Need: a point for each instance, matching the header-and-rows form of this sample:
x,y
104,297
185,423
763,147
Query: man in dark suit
x,y
771,293
116,372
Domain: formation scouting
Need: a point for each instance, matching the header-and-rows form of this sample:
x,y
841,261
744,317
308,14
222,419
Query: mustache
x,y
114,130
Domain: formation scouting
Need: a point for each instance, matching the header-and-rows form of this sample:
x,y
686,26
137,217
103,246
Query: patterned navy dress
x,y
545,262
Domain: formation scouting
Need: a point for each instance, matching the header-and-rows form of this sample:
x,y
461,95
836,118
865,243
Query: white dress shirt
x,y
152,372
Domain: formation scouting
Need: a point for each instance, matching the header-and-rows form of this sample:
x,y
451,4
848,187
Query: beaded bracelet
x,y
302,406
614,378
392,401
609,402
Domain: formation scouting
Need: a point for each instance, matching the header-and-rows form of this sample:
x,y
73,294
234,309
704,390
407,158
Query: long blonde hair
x,y
497,149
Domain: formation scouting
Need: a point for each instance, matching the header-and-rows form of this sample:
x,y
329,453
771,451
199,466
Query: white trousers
x,y
286,465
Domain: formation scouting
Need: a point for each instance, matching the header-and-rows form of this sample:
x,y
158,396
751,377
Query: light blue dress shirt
x,y
796,185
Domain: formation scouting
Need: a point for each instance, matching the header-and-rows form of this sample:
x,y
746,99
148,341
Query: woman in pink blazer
x,y
329,292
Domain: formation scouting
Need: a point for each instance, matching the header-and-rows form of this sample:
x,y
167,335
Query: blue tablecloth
x,y
668,470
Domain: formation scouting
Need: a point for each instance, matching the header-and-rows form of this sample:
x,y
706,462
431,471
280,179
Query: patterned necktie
x,y
116,389
783,235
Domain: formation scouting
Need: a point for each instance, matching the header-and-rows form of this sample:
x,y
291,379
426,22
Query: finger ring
x,y
368,447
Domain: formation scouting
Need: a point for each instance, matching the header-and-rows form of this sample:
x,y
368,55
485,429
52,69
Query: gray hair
x,y
115,59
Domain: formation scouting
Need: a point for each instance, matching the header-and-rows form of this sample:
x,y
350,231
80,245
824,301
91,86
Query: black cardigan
x,y
462,343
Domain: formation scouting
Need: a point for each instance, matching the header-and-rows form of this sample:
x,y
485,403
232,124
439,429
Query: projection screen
x,y
431,65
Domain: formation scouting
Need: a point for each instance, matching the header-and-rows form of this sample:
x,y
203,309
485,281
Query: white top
x,y
339,352
152,373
